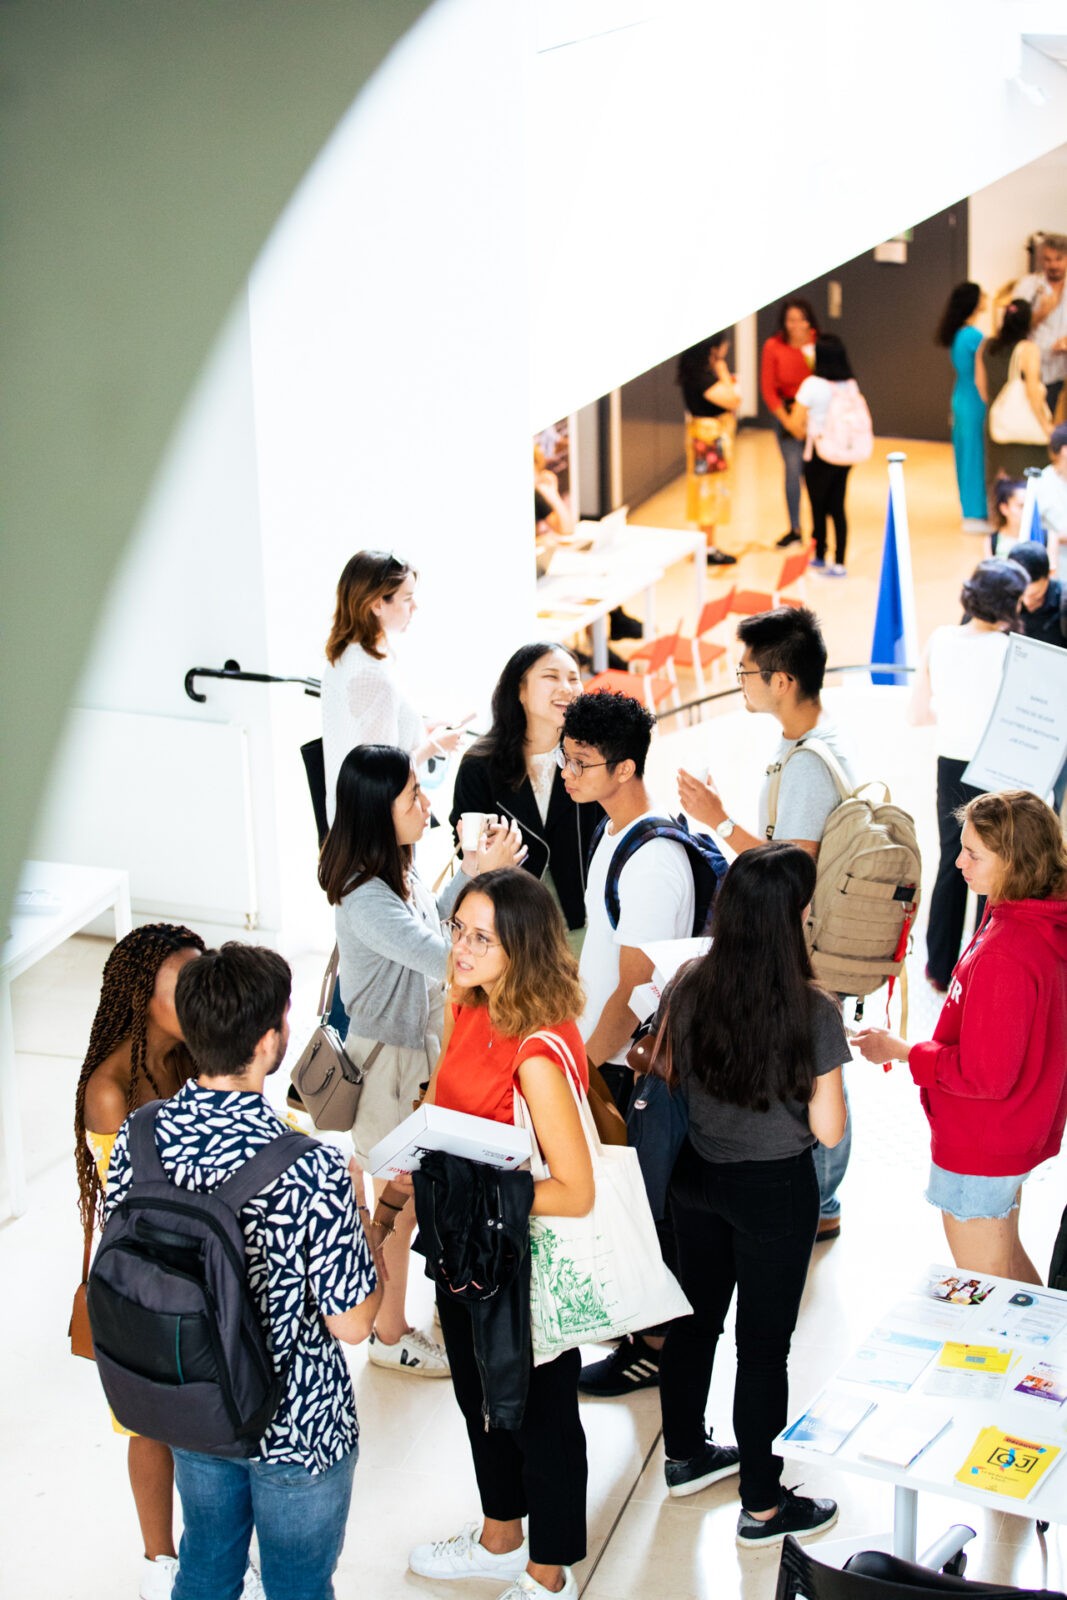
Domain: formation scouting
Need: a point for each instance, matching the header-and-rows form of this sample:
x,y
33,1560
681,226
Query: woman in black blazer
x,y
512,772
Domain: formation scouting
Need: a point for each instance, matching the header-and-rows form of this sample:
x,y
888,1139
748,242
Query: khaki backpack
x,y
867,884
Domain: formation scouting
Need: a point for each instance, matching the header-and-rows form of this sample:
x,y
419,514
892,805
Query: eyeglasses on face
x,y
477,943
747,672
571,764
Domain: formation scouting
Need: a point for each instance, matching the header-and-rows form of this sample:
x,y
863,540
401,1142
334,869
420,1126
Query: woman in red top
x,y
788,358
512,975
994,1076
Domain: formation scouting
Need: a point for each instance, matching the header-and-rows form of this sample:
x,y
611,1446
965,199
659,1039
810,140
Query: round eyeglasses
x,y
571,764
477,943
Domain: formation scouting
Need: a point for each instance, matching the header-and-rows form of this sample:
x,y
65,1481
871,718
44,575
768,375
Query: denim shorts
x,y
968,1198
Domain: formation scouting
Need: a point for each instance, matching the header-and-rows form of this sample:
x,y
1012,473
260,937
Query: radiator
x,y
166,798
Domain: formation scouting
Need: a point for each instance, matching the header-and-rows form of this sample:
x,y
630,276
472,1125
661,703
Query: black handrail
x,y
231,671
723,694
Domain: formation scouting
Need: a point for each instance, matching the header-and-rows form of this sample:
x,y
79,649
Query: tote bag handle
x,y
523,1119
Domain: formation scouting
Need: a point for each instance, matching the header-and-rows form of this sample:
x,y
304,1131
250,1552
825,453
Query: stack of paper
x,y
1003,1463
898,1439
827,1424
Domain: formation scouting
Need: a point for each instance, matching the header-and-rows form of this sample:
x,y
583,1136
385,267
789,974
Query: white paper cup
x,y
472,824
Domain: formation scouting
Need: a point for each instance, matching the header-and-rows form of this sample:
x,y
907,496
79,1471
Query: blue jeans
x,y
793,456
299,1518
831,1165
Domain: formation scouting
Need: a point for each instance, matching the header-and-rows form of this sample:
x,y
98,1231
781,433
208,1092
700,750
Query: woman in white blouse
x,y
955,688
362,699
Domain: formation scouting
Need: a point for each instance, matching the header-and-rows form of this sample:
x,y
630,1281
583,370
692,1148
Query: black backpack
x,y
180,1343
706,860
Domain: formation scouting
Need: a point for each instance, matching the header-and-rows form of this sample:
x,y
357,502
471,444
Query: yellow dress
x,y
709,440
100,1148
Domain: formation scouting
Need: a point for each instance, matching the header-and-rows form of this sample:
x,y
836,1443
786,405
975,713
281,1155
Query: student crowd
x,y
517,981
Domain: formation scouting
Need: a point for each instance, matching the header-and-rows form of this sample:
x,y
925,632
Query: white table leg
x,y
598,632
9,1106
123,915
905,1519
650,611
700,579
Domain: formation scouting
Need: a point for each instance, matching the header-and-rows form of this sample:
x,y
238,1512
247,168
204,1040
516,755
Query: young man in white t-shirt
x,y
604,745
783,665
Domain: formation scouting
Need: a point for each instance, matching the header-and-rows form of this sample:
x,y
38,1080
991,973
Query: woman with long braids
x,y
136,1054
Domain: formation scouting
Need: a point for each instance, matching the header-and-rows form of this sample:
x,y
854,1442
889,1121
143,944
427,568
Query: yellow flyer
x,y
1003,1463
975,1358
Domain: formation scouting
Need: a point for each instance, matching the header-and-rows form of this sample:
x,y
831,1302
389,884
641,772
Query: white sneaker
x,y
253,1585
157,1577
464,1556
527,1588
412,1353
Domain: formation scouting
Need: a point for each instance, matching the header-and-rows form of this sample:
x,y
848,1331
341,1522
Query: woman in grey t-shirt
x,y
759,1049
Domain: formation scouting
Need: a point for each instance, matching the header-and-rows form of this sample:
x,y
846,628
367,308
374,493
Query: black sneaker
x,y
715,1461
796,1514
632,1365
719,558
792,537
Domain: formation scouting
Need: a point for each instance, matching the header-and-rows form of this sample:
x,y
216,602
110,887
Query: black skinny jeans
x,y
826,492
538,1470
948,902
749,1225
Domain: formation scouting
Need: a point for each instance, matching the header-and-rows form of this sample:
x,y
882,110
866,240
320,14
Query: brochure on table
x,y
960,1387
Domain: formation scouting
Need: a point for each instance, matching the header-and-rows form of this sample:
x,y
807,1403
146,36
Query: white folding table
x,y
935,1470
584,586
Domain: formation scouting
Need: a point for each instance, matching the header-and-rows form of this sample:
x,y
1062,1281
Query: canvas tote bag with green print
x,y
602,1275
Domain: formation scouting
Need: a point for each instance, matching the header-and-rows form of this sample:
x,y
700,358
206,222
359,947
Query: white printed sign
x,y
1025,741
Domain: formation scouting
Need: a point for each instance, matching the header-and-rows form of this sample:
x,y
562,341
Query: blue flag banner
x,y
889,642
1030,526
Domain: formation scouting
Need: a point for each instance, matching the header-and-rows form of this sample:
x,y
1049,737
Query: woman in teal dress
x,y
958,334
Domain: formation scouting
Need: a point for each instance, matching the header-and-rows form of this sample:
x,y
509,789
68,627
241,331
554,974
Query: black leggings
x,y
948,902
748,1225
826,492
537,1470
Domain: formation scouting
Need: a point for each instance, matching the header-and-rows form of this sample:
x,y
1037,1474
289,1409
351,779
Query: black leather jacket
x,y
474,1230
559,844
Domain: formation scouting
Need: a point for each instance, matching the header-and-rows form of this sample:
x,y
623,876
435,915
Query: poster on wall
x,y
1024,745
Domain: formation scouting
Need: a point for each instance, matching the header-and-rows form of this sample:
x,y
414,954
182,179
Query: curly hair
x,y
540,985
1027,836
121,1014
617,725
369,576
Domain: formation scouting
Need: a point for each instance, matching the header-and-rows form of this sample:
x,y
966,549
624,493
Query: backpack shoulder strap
x,y
598,834
637,835
262,1168
774,772
144,1156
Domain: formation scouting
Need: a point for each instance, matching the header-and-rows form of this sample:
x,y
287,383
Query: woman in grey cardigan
x,y
393,954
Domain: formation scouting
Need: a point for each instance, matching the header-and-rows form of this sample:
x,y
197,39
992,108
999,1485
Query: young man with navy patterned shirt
x,y
310,1271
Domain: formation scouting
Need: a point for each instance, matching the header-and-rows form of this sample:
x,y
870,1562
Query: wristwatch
x,y
726,827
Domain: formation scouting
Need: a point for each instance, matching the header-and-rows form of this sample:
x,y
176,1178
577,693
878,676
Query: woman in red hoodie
x,y
994,1076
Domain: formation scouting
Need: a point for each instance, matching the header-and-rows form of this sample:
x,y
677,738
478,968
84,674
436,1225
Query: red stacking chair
x,y
700,651
651,667
749,601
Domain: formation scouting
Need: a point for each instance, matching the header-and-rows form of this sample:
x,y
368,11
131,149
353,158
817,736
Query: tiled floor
x,y
70,1529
